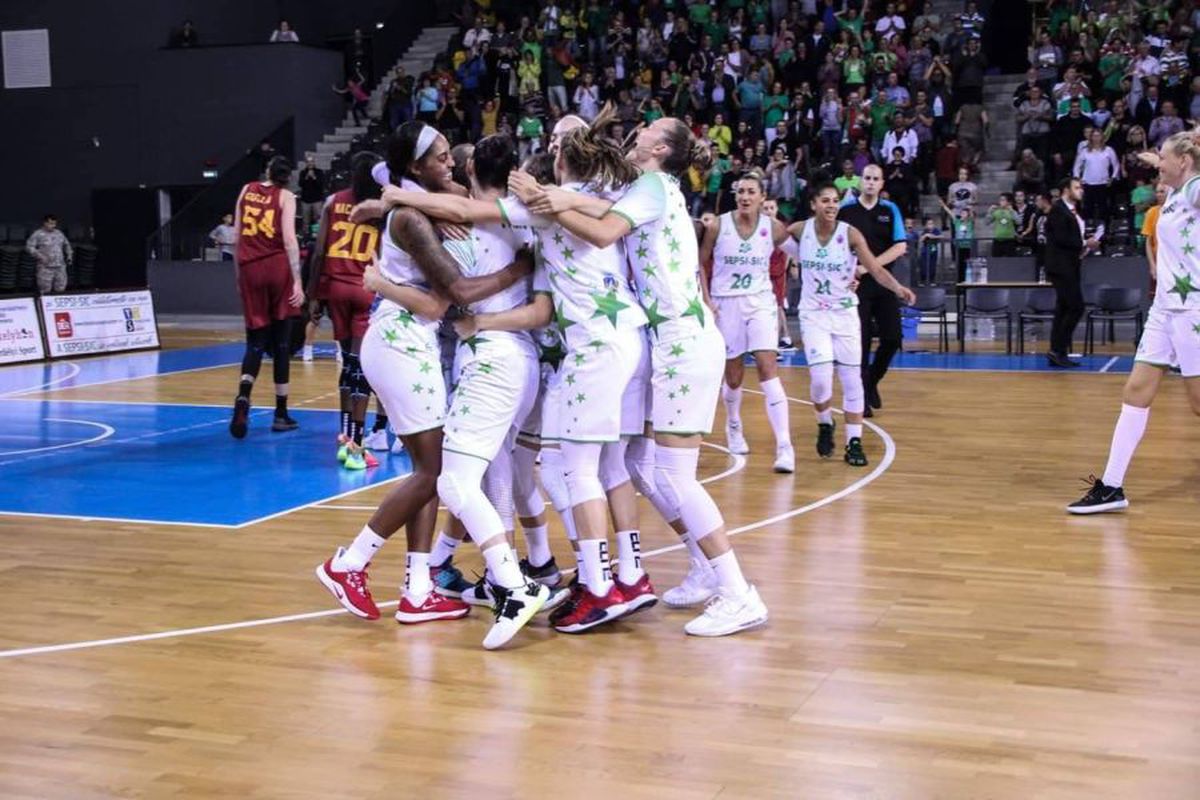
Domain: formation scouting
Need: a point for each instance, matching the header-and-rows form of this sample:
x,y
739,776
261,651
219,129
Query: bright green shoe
x,y
343,448
354,459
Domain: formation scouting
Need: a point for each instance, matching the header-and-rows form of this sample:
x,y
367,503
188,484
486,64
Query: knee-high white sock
x,y
629,557
733,404
777,411
598,577
1130,427
360,552
556,488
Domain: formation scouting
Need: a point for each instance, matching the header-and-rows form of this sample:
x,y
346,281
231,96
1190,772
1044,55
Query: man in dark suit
x,y
1065,248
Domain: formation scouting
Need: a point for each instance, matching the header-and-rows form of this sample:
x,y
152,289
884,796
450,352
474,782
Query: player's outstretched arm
x,y
446,207
872,265
420,302
535,314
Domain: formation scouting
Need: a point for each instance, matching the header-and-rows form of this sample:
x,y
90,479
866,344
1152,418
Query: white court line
x,y
739,463
888,457
42,386
1109,364
105,432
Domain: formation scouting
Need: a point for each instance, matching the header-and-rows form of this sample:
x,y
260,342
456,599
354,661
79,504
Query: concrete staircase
x,y
417,59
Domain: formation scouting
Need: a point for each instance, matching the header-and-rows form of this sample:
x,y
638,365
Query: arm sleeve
x,y
898,232
645,201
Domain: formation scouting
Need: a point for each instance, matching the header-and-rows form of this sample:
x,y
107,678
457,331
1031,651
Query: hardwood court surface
x,y
943,631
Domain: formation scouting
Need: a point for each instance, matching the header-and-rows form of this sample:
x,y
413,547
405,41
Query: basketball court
x,y
939,626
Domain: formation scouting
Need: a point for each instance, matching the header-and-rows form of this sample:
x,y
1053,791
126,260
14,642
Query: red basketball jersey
x,y
348,246
260,214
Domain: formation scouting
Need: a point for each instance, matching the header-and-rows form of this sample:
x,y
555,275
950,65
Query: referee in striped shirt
x,y
882,225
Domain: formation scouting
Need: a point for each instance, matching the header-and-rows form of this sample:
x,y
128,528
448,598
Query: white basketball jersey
x,y
826,269
395,263
1178,254
742,266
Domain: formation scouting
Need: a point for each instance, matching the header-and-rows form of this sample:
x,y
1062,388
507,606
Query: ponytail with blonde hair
x,y
1185,143
591,157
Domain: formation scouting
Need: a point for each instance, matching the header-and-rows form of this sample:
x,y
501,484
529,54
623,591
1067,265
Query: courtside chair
x,y
931,306
987,303
1113,305
1039,307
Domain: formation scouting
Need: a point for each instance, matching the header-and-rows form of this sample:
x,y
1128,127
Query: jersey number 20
x,y
353,242
741,281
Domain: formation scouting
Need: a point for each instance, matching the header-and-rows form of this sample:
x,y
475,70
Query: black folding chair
x,y
990,304
1039,307
1113,305
931,305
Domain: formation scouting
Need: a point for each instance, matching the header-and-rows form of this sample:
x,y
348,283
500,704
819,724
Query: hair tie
x,y
425,141
381,174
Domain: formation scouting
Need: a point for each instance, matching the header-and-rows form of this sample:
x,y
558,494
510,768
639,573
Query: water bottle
x,y
969,273
981,270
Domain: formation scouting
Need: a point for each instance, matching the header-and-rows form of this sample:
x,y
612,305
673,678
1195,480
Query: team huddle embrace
x,y
589,342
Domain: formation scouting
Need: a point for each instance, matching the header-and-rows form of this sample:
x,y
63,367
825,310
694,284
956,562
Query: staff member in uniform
x,y
1065,247
882,225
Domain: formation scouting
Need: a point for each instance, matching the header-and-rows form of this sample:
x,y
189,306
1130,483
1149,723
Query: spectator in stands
x,y
224,237
1066,135
1031,173
1034,118
971,120
969,66
284,33
1046,57
477,35
1097,167
900,136
1147,107
1166,124
398,104
312,196
429,99
963,193
1004,219
848,181
529,133
186,36
946,165
356,97
53,253
900,182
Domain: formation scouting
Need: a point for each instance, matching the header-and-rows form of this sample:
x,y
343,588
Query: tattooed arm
x,y
414,232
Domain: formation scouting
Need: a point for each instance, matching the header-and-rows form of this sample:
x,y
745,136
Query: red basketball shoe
x,y
638,595
433,607
350,588
591,611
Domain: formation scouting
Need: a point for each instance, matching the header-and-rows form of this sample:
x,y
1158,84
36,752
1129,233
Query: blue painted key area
x,y
168,463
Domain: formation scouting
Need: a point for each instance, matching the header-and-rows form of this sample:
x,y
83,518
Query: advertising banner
x,y
99,322
20,331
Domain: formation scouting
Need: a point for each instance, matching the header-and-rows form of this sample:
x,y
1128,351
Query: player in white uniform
x,y
601,323
400,359
1172,334
652,219
825,249
739,246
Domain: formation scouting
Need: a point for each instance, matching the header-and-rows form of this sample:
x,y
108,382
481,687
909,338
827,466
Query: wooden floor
x,y
941,631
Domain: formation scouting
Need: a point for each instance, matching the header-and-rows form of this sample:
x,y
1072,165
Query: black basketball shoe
x,y
825,438
1099,499
855,456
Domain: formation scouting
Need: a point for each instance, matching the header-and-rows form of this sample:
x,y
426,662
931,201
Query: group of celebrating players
x,y
587,339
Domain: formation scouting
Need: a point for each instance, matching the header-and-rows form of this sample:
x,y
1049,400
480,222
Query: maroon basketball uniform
x,y
264,276
349,247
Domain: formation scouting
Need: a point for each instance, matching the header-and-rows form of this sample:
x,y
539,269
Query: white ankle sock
x,y
537,544
599,571
360,552
777,411
1126,436
729,574
629,555
733,404
443,549
417,583
693,548
853,431
825,417
502,564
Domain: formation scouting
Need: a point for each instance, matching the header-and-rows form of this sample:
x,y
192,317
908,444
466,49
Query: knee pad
x,y
527,498
581,471
639,461
613,472
553,481
853,394
258,340
498,487
675,477
451,491
820,377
